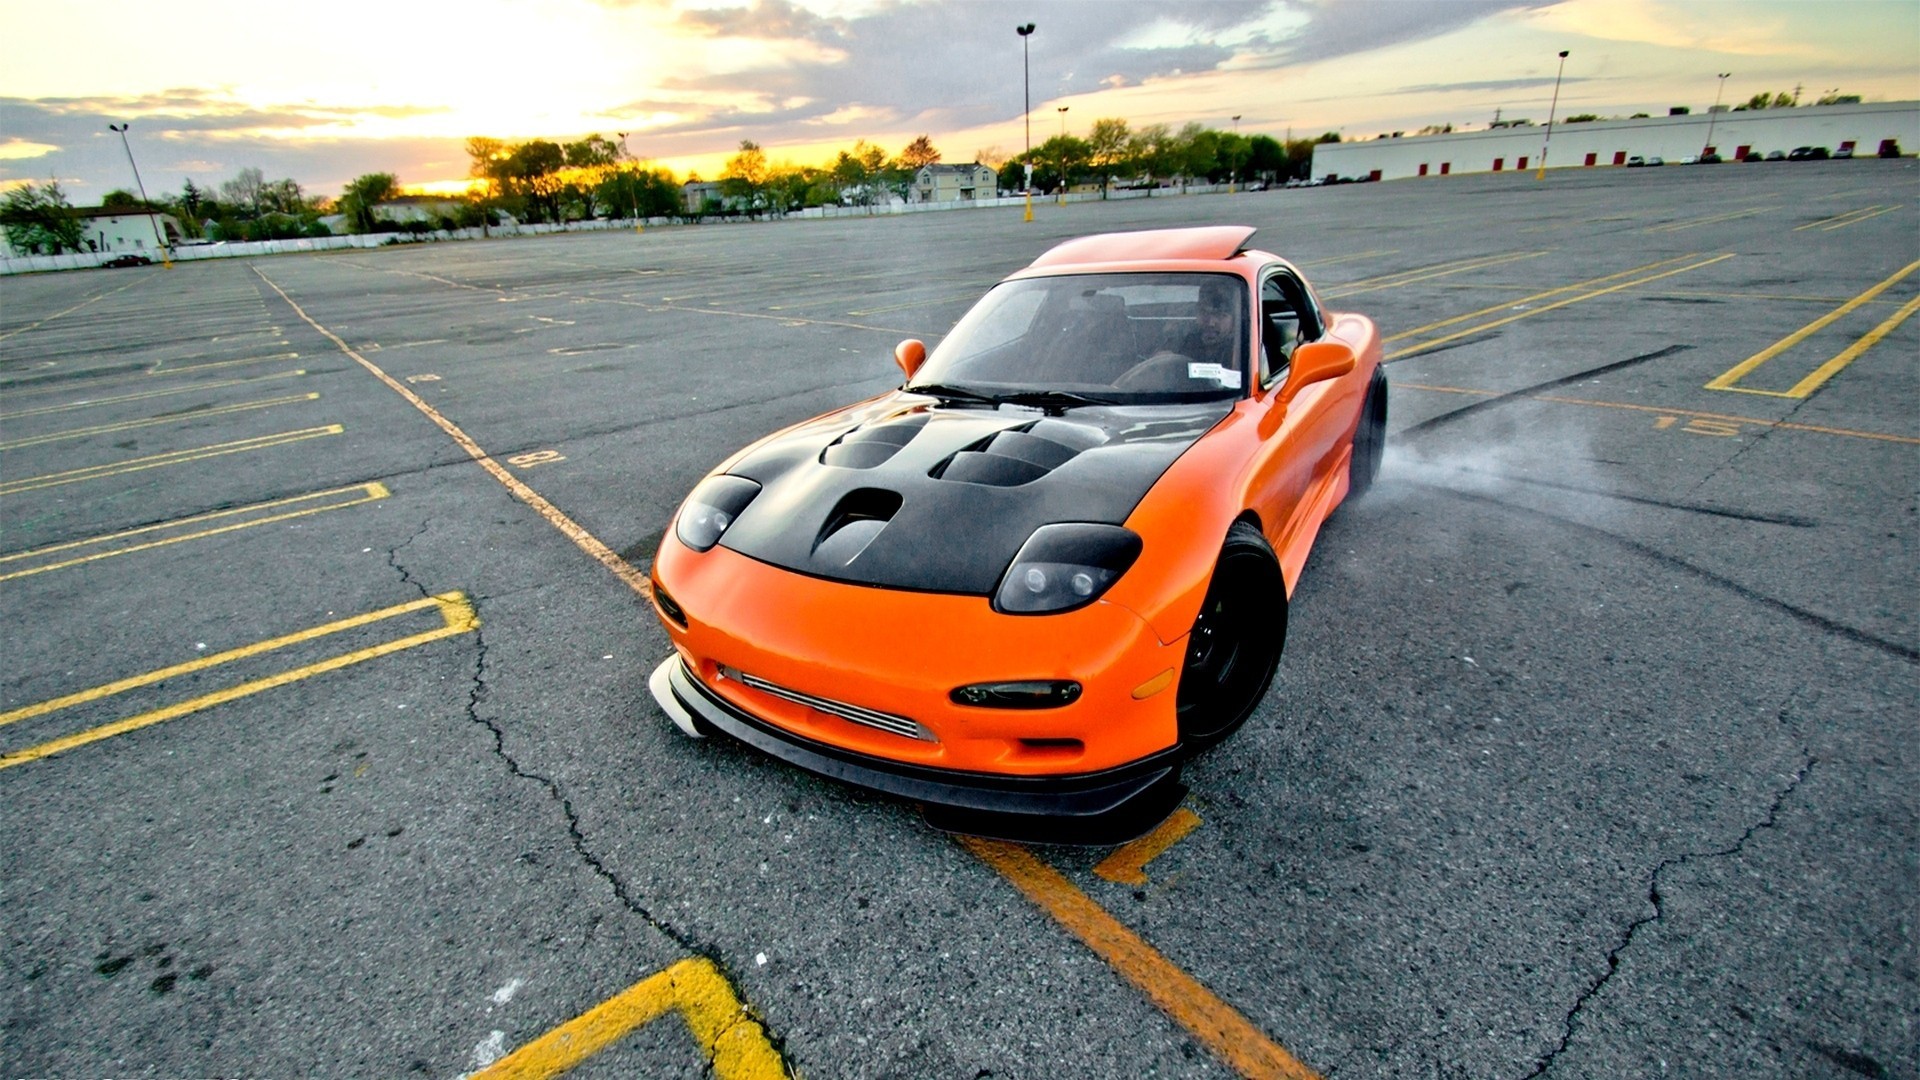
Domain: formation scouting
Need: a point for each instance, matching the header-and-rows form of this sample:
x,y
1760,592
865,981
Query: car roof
x,y
1205,243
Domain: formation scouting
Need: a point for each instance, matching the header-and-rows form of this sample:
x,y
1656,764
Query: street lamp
x,y
632,192
1542,175
1233,175
165,260
1063,155
1714,114
1026,109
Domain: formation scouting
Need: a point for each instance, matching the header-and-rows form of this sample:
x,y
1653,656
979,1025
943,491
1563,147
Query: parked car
x,y
1843,154
1889,148
128,260
1653,161
1775,155
1636,161
1709,159
1051,566
1808,153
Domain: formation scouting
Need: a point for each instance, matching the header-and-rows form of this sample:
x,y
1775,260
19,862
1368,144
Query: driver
x,y
1215,330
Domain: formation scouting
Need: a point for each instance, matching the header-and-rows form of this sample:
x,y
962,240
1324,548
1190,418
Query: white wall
x,y
1670,137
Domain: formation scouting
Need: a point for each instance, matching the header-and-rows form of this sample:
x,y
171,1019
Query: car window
x,y
1123,337
1287,317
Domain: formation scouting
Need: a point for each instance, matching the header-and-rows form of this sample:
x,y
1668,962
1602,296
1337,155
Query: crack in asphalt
x,y
578,839
393,560
1572,1017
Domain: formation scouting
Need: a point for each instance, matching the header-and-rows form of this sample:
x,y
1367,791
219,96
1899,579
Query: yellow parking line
x,y
159,369
1842,218
151,421
1530,313
68,311
1726,379
144,395
365,493
1863,217
1677,226
1511,304
1128,863
727,1035
1841,359
174,457
586,541
1317,263
456,613
1221,1028
1428,273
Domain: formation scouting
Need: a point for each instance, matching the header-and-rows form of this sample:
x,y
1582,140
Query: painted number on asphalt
x,y
1698,426
537,457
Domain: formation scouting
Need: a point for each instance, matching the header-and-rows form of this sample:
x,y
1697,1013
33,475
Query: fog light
x,y
1027,694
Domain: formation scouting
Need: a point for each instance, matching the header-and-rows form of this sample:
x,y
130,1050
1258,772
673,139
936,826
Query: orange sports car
x,y
1022,588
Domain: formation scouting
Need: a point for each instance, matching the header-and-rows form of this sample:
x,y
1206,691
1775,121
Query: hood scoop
x,y
1019,455
870,446
854,523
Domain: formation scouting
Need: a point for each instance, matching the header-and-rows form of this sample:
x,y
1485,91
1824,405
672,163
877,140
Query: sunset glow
x,y
325,95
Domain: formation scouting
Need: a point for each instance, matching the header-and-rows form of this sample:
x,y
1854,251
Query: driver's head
x,y
1217,310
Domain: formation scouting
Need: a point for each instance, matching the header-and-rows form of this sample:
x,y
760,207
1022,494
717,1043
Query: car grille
x,y
873,718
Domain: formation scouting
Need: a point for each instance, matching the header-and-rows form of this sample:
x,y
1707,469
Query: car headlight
x,y
1063,567
713,506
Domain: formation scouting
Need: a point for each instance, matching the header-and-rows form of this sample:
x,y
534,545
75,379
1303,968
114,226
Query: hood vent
x,y
1019,455
872,445
854,523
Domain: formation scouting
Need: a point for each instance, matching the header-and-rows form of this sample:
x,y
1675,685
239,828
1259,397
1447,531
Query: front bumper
x,y
1107,806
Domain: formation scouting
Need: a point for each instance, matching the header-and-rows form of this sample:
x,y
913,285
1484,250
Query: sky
x,y
325,93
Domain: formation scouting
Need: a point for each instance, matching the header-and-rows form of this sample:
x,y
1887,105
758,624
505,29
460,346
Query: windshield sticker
x,y
1225,376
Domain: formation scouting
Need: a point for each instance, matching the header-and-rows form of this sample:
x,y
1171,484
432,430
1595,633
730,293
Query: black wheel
x,y
1235,642
1370,441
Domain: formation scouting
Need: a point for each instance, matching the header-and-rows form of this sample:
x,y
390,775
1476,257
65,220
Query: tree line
x,y
545,181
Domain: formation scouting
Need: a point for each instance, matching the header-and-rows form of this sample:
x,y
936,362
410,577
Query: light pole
x,y
1551,109
165,260
1233,175
1063,155
1714,114
1025,31
632,192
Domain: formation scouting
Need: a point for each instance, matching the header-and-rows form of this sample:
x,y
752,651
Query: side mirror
x,y
910,354
1316,361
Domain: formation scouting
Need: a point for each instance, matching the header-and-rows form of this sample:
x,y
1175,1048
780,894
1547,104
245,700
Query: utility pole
x,y
166,259
1025,30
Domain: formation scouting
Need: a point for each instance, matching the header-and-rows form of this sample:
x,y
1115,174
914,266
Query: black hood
x,y
899,492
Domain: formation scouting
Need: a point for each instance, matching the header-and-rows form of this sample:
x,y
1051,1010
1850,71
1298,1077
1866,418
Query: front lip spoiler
x,y
1106,807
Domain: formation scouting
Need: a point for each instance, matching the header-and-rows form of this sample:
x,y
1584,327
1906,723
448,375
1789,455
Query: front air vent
x,y
873,718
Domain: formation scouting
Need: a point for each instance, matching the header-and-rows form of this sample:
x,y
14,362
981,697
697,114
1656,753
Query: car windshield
x,y
1124,339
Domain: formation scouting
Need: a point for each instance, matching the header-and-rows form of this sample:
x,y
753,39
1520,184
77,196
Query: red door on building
x,y
1619,157
1501,163
1423,168
1591,158
1446,167
1522,166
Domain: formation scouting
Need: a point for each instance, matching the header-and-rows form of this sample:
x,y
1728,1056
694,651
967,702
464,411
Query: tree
x,y
1107,150
1152,149
1764,100
245,191
120,199
745,177
1266,158
918,154
362,195
1835,97
39,220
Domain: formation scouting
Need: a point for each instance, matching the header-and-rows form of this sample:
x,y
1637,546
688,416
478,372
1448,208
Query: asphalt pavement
x,y
326,748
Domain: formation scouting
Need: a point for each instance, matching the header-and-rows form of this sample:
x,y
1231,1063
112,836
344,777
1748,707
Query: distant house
x,y
427,208
696,194
954,183
122,229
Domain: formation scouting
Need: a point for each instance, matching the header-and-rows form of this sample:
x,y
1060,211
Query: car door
x,y
1300,441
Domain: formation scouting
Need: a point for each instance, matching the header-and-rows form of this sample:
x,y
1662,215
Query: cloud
x,y
20,149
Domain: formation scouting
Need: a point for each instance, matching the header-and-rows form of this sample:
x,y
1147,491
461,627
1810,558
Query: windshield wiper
x,y
947,392
1050,399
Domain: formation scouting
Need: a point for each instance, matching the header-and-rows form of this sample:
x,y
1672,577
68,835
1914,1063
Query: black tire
x,y
1370,440
1235,643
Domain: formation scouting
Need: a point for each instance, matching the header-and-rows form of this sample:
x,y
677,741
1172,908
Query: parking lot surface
x,y
326,748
